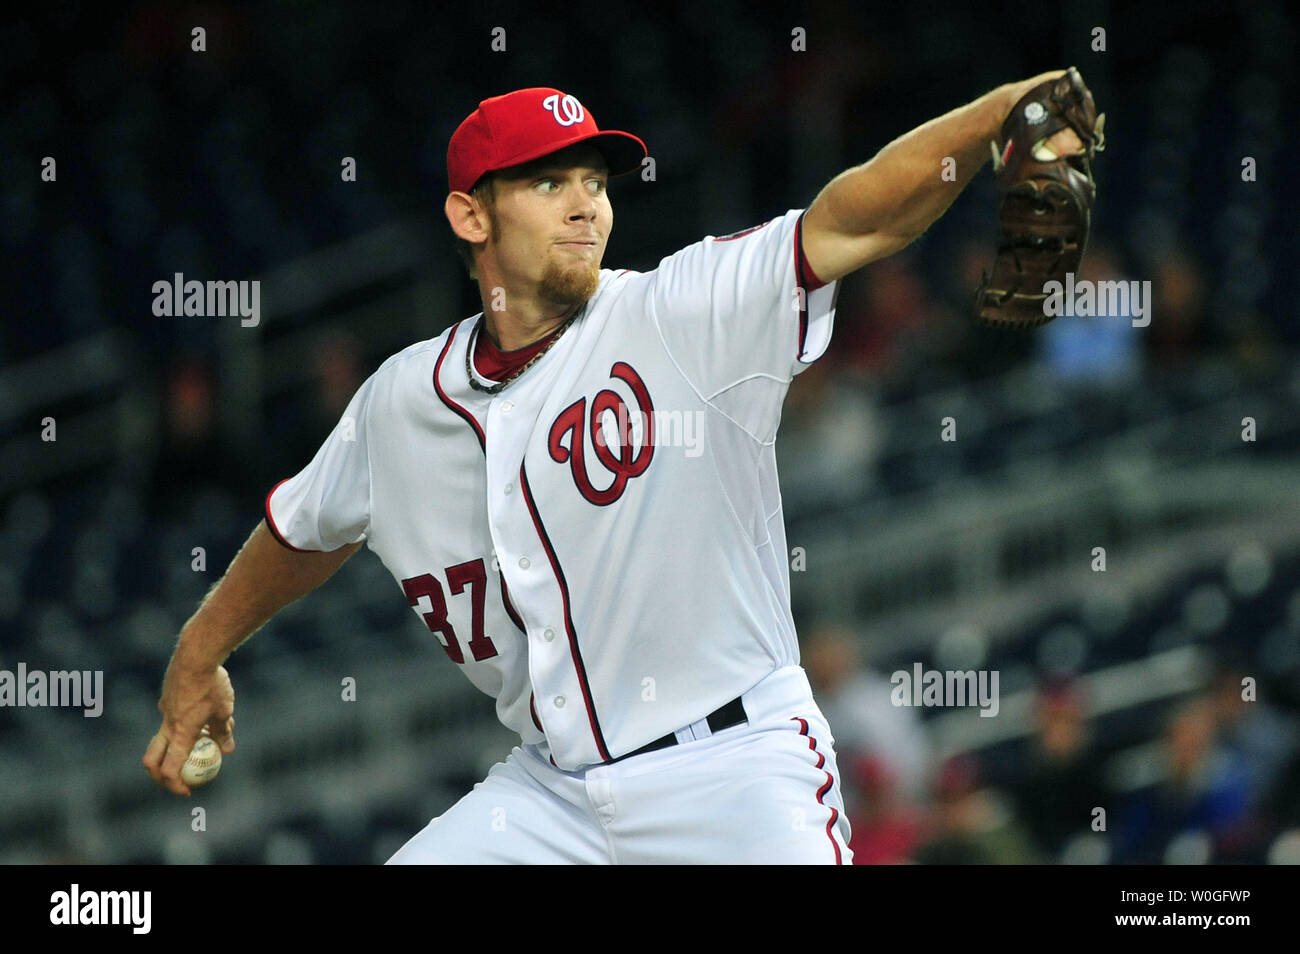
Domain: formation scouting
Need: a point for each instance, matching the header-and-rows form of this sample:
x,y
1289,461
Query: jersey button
x,y
548,634
559,702
507,407
523,563
510,488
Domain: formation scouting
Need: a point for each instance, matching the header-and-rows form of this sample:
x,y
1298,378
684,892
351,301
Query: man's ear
x,y
467,217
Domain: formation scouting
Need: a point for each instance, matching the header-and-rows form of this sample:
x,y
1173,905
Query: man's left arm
x,y
880,207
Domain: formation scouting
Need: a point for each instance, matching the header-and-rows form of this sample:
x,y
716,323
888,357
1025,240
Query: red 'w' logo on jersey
x,y
622,439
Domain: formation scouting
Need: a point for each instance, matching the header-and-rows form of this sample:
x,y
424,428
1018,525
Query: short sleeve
x,y
738,306
326,505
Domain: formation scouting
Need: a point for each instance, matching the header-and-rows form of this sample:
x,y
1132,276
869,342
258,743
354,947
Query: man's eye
x,y
599,184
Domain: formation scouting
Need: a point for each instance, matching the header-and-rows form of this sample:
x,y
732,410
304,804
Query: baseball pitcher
x,y
575,490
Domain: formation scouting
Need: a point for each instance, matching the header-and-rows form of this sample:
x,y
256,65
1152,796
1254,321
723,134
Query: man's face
x,y
552,219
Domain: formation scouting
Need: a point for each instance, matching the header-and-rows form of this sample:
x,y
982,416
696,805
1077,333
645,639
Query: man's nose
x,y
585,205
585,208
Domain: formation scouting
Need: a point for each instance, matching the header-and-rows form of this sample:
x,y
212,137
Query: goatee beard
x,y
569,286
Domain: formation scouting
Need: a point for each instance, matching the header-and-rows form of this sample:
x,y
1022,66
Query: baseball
x,y
203,764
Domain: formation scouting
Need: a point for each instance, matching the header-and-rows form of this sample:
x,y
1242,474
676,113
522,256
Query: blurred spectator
x,y
1206,791
857,706
337,361
830,439
886,828
1256,733
1177,325
972,825
191,453
1059,786
304,419
885,320
1099,350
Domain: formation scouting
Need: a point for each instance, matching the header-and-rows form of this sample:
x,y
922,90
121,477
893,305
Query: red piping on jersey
x,y
803,268
742,233
469,418
510,609
270,520
804,278
532,711
482,443
821,760
568,618
505,596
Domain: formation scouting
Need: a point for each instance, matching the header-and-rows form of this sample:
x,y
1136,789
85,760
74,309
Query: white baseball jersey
x,y
600,545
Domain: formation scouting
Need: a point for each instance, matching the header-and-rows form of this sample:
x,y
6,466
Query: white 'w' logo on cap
x,y
569,105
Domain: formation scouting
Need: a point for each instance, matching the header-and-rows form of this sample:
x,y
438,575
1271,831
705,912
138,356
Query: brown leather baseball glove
x,y
1044,201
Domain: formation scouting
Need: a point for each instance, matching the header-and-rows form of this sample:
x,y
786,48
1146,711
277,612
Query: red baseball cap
x,y
526,125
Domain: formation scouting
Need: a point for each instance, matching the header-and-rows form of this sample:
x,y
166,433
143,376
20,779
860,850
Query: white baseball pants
x,y
767,792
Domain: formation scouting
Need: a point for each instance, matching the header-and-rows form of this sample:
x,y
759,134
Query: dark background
x,y
1120,689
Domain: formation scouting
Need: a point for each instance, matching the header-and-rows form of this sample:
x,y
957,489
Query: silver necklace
x,y
495,388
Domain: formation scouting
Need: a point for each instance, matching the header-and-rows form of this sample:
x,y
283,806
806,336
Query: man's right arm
x,y
264,577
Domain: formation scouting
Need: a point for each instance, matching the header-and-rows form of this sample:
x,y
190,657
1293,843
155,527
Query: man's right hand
x,y
264,577
193,699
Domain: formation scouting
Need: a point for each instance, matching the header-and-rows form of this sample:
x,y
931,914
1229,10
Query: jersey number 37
x,y
473,575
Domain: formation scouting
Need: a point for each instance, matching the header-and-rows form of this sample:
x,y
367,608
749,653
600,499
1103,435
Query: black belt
x,y
733,713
